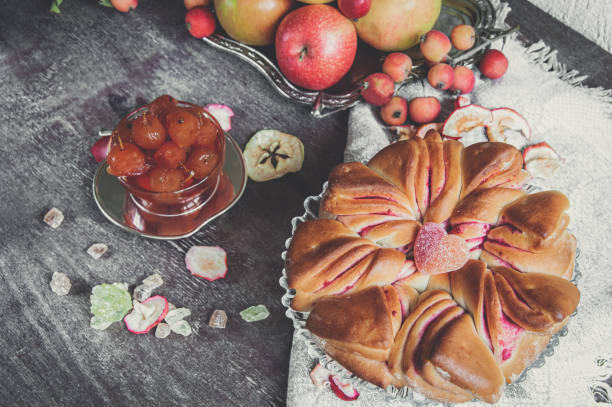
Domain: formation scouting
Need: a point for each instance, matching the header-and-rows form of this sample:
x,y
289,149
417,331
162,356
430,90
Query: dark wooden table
x,y
62,78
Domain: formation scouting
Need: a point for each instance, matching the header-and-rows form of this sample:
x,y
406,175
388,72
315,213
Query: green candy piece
x,y
99,324
255,313
109,303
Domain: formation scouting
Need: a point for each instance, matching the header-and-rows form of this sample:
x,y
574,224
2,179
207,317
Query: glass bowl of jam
x,y
168,155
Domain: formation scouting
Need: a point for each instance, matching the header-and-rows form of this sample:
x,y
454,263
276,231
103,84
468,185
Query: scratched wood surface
x,y
62,78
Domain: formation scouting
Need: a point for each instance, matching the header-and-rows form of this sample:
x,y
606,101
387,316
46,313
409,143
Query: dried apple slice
x,y
344,391
509,127
404,132
466,119
541,160
101,148
208,262
462,101
538,151
146,315
270,154
422,131
319,375
542,168
223,114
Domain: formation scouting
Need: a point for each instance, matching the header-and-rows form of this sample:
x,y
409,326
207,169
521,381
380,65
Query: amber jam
x,y
169,157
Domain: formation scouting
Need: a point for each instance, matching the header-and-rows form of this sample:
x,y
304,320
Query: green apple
x,y
253,22
395,25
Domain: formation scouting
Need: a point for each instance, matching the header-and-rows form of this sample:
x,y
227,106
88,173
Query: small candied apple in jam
x,y
169,155
126,159
182,127
149,133
163,105
202,161
206,134
165,179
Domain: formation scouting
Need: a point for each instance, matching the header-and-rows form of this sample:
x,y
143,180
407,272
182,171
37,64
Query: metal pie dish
x,y
315,345
478,13
110,195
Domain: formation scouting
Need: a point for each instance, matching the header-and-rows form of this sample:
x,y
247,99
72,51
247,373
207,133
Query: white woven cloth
x,y
577,122
591,18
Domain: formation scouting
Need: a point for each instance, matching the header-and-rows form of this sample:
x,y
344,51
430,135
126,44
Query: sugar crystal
x,y
181,327
60,283
153,281
255,313
142,292
97,250
54,218
218,319
177,315
162,330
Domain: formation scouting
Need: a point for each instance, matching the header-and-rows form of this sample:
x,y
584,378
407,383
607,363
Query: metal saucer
x,y
110,195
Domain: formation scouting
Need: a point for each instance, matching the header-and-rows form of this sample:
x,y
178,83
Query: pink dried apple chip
x,y
208,262
223,114
146,315
344,391
436,252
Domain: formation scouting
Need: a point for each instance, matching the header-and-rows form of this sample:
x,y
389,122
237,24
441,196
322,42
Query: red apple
x,y
315,46
378,89
354,9
398,66
424,109
124,5
435,46
493,64
189,4
440,76
463,81
200,22
394,113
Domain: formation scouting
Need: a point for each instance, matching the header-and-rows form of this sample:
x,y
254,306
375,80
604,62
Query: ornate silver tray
x,y
315,351
478,13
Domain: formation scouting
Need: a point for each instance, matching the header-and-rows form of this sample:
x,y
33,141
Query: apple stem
x,y
191,174
303,52
120,142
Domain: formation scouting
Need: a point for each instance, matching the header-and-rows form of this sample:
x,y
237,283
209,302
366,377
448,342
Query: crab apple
x,y
463,37
189,4
440,76
354,9
493,64
125,159
165,179
424,109
202,162
149,133
124,5
397,65
200,22
182,127
464,80
378,89
394,113
169,155
435,46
